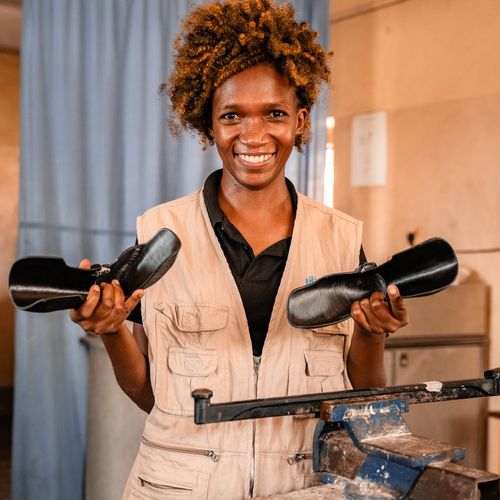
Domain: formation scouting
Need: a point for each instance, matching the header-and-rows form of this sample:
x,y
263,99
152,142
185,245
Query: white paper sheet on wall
x,y
369,149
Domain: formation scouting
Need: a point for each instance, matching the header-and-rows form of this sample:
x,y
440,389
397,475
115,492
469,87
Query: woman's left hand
x,y
376,316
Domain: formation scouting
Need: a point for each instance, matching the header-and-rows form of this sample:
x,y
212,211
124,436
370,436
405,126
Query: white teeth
x,y
256,158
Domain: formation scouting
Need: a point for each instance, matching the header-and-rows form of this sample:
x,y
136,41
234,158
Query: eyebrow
x,y
268,105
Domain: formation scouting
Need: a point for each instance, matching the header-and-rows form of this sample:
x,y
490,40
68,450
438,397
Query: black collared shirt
x,y
257,277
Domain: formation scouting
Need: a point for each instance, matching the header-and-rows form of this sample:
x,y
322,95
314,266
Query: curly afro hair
x,y
221,39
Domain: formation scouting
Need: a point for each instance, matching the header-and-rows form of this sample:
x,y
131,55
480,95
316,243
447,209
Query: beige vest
x,y
198,337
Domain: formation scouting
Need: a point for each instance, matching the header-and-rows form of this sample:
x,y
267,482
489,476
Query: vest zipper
x,y
256,365
298,457
190,451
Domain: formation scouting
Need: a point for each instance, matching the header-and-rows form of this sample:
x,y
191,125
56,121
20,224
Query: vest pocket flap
x,y
323,363
192,362
193,318
342,328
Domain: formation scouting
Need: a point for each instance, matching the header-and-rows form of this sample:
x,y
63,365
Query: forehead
x,y
258,85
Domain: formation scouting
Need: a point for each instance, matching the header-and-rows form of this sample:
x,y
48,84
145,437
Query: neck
x,y
263,216
270,202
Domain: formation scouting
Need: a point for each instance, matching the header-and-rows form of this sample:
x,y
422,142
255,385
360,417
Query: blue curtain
x,y
306,169
95,153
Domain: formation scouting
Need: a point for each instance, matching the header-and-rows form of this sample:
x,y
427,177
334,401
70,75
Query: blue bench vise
x,y
362,446
366,450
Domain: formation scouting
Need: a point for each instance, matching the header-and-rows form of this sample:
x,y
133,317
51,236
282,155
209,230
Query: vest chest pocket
x,y
319,359
325,358
324,371
190,356
196,325
184,370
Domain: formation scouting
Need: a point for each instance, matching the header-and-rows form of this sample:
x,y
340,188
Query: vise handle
x,y
310,404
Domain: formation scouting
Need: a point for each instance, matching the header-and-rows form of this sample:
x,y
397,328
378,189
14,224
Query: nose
x,y
254,132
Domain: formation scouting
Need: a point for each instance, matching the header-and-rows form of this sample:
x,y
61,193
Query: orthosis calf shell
x,y
44,284
424,269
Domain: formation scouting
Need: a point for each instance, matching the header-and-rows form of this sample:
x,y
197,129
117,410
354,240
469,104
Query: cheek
x,y
287,137
220,149
223,137
224,146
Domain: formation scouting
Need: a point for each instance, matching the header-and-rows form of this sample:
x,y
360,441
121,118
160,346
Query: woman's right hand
x,y
105,309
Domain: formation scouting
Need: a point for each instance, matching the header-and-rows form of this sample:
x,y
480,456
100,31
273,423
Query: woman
x,y
245,78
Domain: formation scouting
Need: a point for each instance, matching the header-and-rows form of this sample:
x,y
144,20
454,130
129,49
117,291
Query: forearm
x,y
365,361
130,366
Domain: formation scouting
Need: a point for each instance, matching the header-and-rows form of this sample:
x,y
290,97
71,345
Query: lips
x,y
255,159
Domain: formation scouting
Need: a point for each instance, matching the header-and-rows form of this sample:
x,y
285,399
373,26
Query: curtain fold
x,y
306,169
95,153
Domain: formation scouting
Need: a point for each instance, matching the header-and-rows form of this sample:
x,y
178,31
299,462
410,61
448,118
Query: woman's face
x,y
255,119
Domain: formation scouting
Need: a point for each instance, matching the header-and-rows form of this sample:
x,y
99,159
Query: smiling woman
x,y
255,120
246,75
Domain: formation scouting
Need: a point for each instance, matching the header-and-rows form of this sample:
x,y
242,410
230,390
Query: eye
x,y
229,116
276,113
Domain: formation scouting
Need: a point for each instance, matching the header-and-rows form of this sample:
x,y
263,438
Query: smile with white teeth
x,y
256,158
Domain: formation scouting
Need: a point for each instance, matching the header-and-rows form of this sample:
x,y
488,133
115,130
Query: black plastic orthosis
x,y
424,269
45,284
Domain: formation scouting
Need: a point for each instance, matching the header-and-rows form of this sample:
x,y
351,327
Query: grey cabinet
x,y
461,423
446,340
114,428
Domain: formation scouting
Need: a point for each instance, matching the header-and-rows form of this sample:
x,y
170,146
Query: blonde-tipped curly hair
x,y
221,39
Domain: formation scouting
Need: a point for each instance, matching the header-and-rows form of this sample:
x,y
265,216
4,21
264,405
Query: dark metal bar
x,y
310,404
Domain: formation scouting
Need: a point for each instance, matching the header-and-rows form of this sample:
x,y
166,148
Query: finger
x,y
374,309
112,322
107,299
398,306
359,317
88,307
383,318
119,309
85,264
119,294
103,319
133,300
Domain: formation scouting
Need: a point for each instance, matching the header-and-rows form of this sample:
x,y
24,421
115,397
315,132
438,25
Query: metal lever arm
x,y
310,404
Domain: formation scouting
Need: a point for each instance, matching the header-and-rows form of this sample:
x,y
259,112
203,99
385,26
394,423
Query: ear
x,y
302,114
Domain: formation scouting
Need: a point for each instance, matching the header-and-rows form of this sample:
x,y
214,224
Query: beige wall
x,y
9,201
434,66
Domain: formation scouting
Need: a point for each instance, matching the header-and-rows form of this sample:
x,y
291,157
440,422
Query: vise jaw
x,y
366,450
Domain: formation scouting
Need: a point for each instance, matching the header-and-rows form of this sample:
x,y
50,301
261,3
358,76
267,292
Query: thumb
x,y
85,264
397,303
134,299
